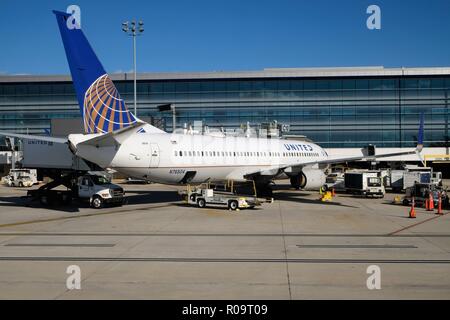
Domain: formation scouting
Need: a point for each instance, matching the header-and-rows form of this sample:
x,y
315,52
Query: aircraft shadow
x,y
137,197
151,197
28,203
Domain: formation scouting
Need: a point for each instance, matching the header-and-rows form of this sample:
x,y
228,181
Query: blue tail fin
x,y
101,107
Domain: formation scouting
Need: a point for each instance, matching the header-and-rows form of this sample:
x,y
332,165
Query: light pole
x,y
170,107
134,30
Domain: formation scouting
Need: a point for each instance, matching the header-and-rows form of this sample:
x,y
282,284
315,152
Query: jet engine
x,y
308,179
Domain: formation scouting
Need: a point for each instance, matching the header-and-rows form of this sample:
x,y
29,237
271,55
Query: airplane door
x,y
154,155
140,159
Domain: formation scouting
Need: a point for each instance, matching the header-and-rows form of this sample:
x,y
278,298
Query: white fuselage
x,y
181,158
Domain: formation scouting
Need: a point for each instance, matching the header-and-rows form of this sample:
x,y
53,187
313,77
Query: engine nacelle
x,y
308,179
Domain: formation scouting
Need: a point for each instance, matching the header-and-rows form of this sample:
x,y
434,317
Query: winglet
x,y
420,134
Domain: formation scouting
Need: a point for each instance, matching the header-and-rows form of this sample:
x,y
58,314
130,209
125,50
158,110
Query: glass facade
x,y
333,112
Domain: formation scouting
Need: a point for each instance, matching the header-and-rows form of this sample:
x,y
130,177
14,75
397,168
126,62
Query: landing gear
x,y
264,191
295,182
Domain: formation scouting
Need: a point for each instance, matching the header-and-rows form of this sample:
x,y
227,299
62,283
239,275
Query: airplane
x,y
115,138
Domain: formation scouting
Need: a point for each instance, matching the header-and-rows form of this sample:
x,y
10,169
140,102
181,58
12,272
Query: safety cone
x,y
412,212
427,204
439,208
430,201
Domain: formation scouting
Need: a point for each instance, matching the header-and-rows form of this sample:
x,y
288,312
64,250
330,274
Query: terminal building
x,y
338,108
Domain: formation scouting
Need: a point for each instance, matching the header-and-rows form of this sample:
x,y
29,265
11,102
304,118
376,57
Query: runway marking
x,y
84,245
223,260
137,234
415,224
356,246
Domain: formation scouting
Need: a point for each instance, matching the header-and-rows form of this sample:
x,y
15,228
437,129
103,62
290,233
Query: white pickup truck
x,y
99,191
96,189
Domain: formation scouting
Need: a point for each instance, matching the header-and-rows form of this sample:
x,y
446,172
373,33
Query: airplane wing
x,y
280,168
33,137
357,158
283,167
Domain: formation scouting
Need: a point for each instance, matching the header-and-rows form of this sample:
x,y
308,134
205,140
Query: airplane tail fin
x,y
101,106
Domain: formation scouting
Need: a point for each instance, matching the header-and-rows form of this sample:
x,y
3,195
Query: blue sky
x,y
207,35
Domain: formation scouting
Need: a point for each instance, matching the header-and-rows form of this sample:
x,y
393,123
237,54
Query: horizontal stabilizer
x,y
108,139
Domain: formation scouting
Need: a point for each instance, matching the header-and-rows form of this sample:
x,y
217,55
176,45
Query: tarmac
x,y
158,247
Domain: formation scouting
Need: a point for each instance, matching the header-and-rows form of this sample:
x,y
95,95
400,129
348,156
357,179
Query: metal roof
x,y
265,73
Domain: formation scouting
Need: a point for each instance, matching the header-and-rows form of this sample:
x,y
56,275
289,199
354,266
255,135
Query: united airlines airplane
x,y
115,138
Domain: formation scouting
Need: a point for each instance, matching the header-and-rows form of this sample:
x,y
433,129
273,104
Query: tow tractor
x,y
205,194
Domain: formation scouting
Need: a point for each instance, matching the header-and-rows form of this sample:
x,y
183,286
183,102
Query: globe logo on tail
x,y
103,109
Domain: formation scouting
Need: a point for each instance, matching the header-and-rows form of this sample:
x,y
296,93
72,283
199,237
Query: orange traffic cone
x,y
427,204
430,201
439,208
412,212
